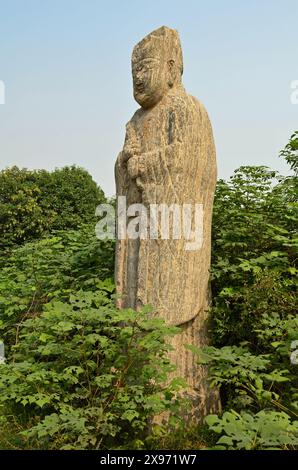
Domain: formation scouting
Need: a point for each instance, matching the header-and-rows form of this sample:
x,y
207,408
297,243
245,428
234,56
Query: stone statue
x,y
168,158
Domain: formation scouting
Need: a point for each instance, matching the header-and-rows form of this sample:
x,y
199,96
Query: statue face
x,y
150,80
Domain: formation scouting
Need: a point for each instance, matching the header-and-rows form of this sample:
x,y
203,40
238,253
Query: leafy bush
x,y
254,320
254,247
82,374
255,381
33,203
51,268
58,320
290,152
264,430
86,375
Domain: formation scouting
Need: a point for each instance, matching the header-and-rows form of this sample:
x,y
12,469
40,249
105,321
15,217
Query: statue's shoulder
x,y
135,117
178,100
188,107
200,108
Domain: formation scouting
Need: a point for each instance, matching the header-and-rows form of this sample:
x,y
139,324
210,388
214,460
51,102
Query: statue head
x,y
157,66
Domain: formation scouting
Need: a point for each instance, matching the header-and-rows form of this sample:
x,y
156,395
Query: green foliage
x,y
81,374
264,430
33,203
254,248
86,375
50,268
254,381
58,320
290,152
254,320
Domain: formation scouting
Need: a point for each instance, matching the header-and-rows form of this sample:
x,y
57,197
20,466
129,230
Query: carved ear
x,y
172,72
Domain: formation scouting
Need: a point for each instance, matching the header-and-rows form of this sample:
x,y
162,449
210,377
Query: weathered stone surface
x,y
168,158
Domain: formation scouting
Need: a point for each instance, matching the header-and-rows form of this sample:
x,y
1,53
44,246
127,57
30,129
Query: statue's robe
x,y
177,165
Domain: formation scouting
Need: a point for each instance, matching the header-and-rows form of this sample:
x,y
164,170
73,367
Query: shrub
x,y
33,203
50,268
254,321
264,430
88,376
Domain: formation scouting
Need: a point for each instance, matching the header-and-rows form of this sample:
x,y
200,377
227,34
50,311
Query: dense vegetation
x,y
33,203
81,374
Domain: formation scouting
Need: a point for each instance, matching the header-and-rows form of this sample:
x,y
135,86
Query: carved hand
x,y
136,166
131,150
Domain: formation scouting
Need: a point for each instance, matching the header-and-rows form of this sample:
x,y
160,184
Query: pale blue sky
x,y
66,66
